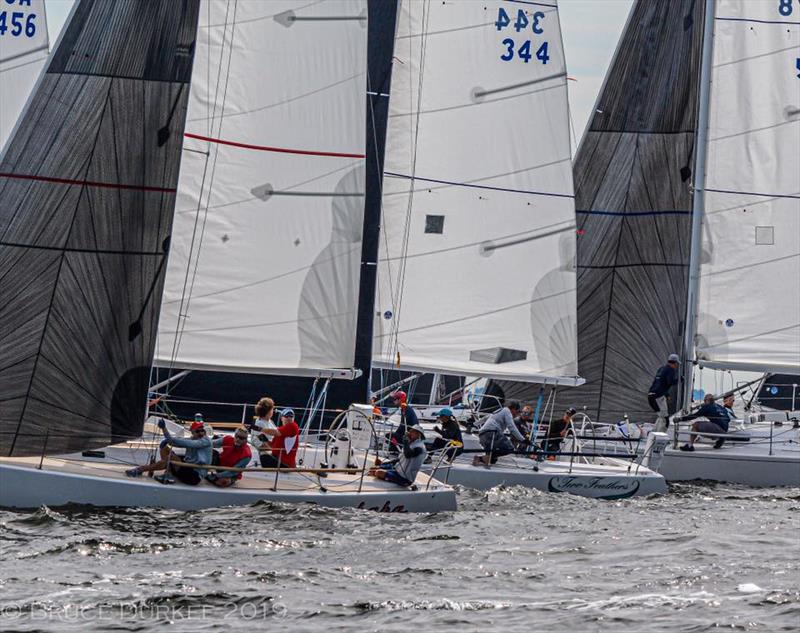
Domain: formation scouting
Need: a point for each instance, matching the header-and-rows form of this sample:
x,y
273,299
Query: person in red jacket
x,y
235,454
286,439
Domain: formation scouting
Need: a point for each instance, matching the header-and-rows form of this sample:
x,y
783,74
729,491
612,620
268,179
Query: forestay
x,y
264,270
87,185
476,272
23,50
749,300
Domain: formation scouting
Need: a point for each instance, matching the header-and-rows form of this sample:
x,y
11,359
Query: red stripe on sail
x,y
266,148
87,183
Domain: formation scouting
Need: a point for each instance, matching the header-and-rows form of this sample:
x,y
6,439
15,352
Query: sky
x,y
590,28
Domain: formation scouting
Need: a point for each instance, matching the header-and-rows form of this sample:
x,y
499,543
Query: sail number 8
x,y
785,7
16,23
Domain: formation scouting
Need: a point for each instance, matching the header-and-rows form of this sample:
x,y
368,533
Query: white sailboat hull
x,y
58,482
586,480
749,457
733,466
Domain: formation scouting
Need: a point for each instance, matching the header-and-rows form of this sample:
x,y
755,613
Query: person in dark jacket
x,y
524,424
408,418
556,432
666,378
450,431
716,421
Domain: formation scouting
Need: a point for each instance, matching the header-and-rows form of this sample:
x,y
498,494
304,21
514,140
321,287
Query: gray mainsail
x,y
633,205
87,192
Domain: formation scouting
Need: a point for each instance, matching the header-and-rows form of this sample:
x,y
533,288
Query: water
x,y
702,558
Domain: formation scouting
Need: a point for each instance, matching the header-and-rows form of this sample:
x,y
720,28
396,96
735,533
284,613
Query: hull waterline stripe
x,y
86,183
267,148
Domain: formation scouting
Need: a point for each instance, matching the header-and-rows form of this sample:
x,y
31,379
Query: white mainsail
x,y
24,46
264,270
749,293
476,271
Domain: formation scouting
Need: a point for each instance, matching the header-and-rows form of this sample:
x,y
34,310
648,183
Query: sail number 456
x,y
521,23
16,23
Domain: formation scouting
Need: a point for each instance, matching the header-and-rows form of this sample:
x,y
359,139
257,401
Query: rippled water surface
x,y
702,558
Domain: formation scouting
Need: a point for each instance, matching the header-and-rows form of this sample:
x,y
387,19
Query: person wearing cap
x,y
285,441
408,418
666,378
235,454
524,424
556,432
492,435
450,434
198,451
716,421
403,471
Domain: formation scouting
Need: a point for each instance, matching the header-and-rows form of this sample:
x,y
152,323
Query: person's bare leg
x,y
161,464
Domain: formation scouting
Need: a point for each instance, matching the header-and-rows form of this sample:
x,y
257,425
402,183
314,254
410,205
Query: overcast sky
x,y
590,28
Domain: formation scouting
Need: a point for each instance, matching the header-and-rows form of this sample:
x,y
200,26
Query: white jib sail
x,y
749,300
264,269
476,272
24,46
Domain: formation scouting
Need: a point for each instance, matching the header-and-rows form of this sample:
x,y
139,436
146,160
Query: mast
x,y
381,28
698,203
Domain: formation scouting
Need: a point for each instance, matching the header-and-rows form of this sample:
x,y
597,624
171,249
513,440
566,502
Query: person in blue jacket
x,y
716,421
198,451
666,378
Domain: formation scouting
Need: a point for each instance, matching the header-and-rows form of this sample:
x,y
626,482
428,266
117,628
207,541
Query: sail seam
x,y
755,193
268,148
487,187
87,183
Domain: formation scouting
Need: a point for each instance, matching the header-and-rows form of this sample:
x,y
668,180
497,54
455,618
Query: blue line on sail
x,y
753,193
632,213
466,184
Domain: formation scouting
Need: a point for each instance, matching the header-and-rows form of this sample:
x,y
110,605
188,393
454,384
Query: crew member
x,y
235,454
666,378
450,433
492,435
717,421
403,471
198,451
285,440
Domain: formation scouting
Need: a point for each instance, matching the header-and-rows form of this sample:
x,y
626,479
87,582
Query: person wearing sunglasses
x,y
235,454
198,451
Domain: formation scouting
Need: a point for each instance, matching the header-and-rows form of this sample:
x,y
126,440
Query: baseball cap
x,y
197,425
447,412
418,429
399,395
571,411
674,358
287,413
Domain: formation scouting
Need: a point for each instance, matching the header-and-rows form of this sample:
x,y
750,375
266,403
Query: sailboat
x,y
24,45
476,271
688,186
281,149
